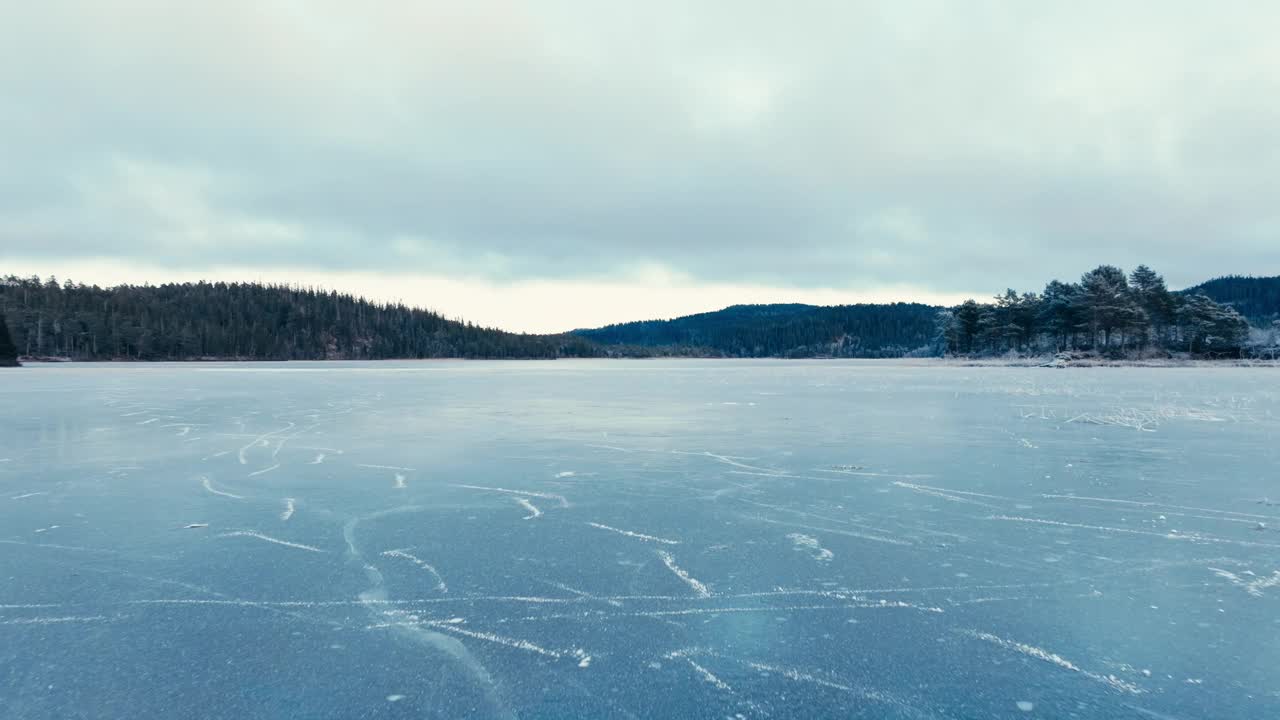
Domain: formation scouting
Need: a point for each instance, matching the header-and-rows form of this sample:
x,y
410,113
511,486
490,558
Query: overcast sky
x,y
547,164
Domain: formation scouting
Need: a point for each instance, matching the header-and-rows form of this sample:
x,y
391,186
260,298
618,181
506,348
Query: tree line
x,y
247,321
785,330
1107,311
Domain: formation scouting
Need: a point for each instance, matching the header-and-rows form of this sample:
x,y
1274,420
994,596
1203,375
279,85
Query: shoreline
x,y
1047,363
1103,363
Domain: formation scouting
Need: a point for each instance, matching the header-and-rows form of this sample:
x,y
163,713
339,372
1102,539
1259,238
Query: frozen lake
x,y
598,539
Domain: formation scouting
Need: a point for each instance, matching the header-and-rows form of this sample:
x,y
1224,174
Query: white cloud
x,y
849,146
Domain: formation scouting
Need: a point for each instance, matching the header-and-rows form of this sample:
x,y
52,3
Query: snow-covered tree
x,y
1208,327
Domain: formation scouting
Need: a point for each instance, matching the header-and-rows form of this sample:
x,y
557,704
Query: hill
x,y
250,321
245,322
1256,298
1105,312
787,330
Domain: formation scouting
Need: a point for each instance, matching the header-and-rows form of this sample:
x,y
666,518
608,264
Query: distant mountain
x,y
1256,298
787,330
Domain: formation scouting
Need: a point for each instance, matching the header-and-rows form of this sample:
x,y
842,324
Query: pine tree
x,y
1210,328
1154,298
1060,313
969,319
8,353
1109,304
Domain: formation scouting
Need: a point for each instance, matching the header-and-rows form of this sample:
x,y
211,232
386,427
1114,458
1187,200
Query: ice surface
x,y
734,539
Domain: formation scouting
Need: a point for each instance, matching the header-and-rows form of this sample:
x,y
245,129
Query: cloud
x,y
854,146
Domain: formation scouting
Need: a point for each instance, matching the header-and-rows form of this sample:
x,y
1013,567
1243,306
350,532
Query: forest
x,y
787,330
244,322
1107,312
1256,298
